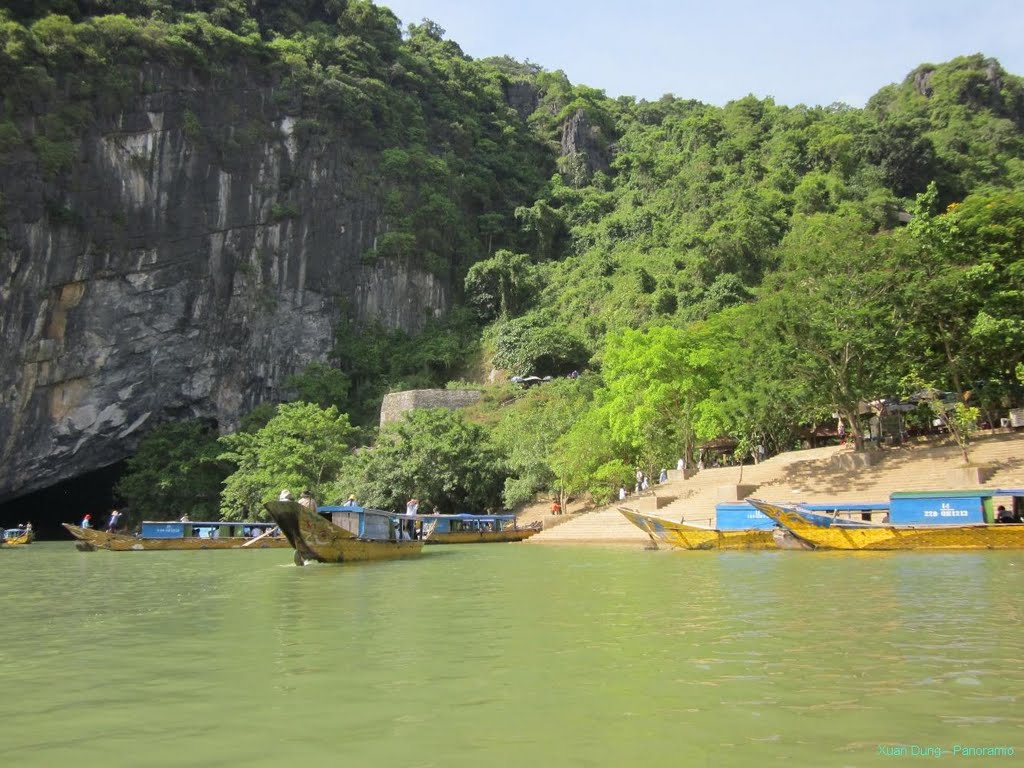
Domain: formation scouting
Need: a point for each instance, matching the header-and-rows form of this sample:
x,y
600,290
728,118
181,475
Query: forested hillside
x,y
747,271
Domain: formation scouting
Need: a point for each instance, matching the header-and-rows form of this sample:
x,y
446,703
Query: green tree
x,y
757,399
959,418
302,448
529,430
501,285
832,304
437,456
587,459
534,345
963,287
657,383
321,384
175,471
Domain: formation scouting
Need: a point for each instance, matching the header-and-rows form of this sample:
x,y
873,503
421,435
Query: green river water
x,y
509,655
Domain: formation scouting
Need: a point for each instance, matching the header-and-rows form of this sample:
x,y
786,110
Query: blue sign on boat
x,y
740,516
937,509
163,530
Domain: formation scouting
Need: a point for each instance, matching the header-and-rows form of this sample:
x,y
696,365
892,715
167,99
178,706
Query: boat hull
x,y
119,542
18,541
482,537
315,538
682,536
894,537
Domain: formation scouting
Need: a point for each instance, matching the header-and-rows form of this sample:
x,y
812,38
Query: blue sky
x,y
797,51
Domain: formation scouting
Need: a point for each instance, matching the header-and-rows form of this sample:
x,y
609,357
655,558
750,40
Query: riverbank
x,y
833,473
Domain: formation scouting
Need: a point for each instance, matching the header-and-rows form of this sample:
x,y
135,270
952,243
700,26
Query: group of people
x,y
113,522
305,498
643,482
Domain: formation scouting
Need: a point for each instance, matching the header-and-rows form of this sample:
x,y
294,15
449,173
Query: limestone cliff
x,y
197,250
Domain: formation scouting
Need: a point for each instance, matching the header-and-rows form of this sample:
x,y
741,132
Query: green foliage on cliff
x,y
375,359
773,239
454,159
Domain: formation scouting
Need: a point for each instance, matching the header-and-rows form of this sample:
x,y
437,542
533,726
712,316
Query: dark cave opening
x,y
65,502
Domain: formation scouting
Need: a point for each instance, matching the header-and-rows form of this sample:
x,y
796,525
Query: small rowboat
x,y
16,537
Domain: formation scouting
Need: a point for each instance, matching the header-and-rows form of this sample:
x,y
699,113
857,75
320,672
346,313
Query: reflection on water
x,y
506,655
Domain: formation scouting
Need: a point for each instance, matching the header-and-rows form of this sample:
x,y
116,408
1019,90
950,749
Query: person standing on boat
x,y
1003,515
306,499
86,521
285,495
115,518
412,507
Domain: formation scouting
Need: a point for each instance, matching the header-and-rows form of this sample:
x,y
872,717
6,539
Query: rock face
x,y
523,97
199,249
397,403
583,150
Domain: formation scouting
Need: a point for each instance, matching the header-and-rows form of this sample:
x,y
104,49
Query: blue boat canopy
x,y
851,507
178,529
740,516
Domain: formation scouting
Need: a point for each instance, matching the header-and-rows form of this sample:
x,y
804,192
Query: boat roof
x,y
369,510
971,493
462,516
846,507
353,508
208,522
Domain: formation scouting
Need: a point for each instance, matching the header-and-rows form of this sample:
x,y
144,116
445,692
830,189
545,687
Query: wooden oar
x,y
258,538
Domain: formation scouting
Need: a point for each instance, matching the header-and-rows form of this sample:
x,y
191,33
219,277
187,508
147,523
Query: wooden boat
x,y
473,529
164,535
344,533
830,532
688,536
17,537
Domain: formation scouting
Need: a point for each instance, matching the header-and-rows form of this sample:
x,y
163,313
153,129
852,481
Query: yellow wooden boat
x,y
165,535
685,536
343,534
825,532
17,537
474,529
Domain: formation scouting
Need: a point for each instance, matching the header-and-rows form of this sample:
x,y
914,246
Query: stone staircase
x,y
834,473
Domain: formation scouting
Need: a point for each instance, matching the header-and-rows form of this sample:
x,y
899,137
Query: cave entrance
x,y
65,502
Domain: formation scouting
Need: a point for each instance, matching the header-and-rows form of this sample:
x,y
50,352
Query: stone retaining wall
x,y
397,403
